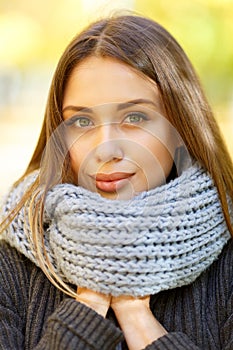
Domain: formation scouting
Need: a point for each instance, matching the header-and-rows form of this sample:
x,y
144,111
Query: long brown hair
x,y
147,47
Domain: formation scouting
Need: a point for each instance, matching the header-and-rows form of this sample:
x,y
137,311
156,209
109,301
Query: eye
x,y
79,122
135,118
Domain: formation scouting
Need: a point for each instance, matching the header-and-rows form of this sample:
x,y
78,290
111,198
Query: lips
x,y
112,177
111,182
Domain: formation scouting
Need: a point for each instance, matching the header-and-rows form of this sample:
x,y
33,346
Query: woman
x,y
146,262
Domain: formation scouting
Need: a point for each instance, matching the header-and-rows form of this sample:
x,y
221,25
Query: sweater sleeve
x,y
13,297
173,341
221,282
33,319
75,326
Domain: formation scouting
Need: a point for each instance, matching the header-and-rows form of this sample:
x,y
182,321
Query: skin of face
x,y
118,137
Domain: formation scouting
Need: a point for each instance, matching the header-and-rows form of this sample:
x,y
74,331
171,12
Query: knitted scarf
x,y
161,239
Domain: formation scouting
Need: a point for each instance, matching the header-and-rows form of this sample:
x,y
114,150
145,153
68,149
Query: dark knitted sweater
x,y
36,315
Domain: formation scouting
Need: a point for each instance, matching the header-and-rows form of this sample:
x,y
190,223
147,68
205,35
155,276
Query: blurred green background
x,y
33,35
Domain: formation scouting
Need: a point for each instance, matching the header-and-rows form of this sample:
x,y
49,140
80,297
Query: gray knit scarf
x,y
161,239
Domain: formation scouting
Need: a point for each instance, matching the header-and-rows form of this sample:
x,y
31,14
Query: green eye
x,y
83,122
135,118
79,122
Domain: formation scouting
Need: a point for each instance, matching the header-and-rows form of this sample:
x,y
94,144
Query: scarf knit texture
x,y
161,239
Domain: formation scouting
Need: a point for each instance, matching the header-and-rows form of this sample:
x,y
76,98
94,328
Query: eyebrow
x,y
119,107
136,102
76,109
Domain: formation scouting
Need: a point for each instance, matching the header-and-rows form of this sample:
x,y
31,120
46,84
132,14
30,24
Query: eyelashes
x,y
135,118
82,122
79,121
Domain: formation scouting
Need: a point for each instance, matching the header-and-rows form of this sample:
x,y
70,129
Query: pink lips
x,y
111,182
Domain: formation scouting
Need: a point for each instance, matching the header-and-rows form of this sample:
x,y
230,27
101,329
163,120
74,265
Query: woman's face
x,y
119,140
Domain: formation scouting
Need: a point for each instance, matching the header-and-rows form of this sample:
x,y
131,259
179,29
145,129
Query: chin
x,y
121,195
109,195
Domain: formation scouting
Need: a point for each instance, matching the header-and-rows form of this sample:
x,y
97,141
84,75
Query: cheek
x,y
78,148
77,153
154,156
162,145
164,157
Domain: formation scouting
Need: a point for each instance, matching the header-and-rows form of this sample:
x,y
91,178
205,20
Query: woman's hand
x,y
99,302
136,320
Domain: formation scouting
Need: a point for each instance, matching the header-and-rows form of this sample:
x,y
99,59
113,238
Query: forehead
x,y
99,80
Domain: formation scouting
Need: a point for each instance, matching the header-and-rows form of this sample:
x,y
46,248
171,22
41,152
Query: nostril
x,y
118,158
109,151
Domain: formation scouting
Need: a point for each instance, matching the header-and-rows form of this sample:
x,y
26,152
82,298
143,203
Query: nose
x,y
109,145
